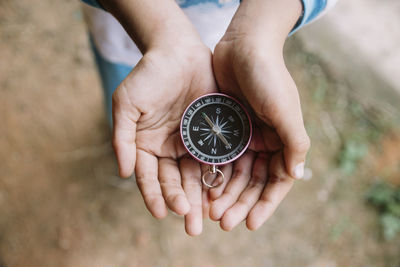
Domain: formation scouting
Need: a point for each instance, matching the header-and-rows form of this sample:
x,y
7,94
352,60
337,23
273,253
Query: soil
x,y
62,204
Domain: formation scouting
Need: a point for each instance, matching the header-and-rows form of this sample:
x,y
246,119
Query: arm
x,y
264,22
152,24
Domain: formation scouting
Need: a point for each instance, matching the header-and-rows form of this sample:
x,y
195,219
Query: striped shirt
x,y
210,18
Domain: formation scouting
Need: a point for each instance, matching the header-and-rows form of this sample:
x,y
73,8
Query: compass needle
x,y
208,120
223,139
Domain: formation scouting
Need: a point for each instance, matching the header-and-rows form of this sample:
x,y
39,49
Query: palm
x,y
147,108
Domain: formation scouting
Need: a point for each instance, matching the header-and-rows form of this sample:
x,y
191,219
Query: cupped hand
x,y
147,108
256,74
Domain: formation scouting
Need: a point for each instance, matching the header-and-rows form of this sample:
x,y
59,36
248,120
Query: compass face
x,y
215,129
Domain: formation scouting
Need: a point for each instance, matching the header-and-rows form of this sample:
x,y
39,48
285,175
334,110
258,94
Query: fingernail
x,y
299,171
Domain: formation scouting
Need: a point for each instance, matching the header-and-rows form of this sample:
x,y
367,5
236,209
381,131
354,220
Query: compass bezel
x,y
240,153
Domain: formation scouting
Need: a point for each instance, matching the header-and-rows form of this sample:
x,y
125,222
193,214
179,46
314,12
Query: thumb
x,y
278,105
125,117
287,119
296,144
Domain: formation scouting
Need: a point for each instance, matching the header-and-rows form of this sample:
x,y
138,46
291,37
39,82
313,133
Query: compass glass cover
x,y
215,129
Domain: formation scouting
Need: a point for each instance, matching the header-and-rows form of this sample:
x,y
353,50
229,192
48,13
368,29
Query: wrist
x,y
151,24
181,57
265,23
249,50
171,38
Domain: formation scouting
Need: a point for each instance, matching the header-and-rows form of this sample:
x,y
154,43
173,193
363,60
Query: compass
x,y
215,130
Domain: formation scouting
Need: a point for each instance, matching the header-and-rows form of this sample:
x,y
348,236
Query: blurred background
x,y
61,203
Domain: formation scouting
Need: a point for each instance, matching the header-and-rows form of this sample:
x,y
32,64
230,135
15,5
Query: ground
x,y
62,204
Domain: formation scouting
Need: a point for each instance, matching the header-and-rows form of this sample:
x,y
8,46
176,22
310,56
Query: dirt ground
x,y
61,203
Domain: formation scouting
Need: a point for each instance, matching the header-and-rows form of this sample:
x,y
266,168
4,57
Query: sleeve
x,y
312,10
93,3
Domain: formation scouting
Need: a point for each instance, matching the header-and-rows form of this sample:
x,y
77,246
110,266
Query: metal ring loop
x,y
203,178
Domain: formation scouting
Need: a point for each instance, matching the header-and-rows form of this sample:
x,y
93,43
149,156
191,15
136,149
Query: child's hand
x,y
248,63
147,107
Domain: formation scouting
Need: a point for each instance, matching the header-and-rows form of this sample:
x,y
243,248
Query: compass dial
x,y
215,129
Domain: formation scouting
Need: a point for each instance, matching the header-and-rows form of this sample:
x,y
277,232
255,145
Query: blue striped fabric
x,y
93,3
311,9
188,3
111,75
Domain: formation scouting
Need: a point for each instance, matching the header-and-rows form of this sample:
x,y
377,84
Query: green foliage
x,y
386,199
357,138
352,152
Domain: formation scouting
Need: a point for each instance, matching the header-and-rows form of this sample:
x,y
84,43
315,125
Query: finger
x,y
217,191
240,178
278,185
149,186
288,122
275,99
205,196
206,202
171,186
295,150
190,171
239,211
125,117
